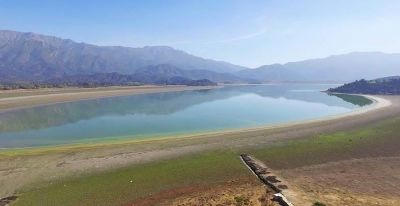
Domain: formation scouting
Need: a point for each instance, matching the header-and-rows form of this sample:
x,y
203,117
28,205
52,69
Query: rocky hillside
x,y
30,56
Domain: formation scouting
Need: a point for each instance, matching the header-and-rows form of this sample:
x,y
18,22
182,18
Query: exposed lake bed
x,y
22,167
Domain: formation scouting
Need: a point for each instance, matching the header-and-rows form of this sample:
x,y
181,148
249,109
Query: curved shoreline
x,y
378,103
19,168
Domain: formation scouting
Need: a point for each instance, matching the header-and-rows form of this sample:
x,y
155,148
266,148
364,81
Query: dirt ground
x,y
369,181
239,192
357,182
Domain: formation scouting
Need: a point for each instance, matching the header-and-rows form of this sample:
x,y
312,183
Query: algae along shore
x,y
205,168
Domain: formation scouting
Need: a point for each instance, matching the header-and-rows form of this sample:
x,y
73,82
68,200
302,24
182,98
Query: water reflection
x,y
228,107
148,104
161,104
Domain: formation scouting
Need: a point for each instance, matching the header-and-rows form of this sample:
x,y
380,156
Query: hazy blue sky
x,y
245,32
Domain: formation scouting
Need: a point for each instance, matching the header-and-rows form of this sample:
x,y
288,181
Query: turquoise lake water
x,y
164,114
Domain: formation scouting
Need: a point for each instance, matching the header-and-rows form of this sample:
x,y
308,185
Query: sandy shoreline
x,y
48,164
18,99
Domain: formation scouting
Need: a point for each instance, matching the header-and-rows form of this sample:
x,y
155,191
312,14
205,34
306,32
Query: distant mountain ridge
x,y
30,56
339,68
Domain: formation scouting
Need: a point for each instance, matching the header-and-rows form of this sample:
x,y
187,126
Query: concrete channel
x,y
265,176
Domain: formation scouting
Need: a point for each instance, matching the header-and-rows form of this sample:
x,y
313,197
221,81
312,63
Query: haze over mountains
x,y
29,56
34,57
341,68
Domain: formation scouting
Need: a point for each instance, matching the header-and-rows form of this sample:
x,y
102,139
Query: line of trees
x,y
100,80
389,86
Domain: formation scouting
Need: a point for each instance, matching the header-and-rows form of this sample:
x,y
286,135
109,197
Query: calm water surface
x,y
163,114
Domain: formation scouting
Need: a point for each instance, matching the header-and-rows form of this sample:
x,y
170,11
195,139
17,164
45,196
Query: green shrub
x,y
240,200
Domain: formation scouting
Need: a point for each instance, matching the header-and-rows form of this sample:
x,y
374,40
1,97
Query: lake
x,y
167,114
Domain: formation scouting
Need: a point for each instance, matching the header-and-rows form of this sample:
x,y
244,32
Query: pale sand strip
x,y
30,98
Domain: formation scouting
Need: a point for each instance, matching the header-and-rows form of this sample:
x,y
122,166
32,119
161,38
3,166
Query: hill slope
x,y
159,74
387,85
29,56
162,74
341,68
34,57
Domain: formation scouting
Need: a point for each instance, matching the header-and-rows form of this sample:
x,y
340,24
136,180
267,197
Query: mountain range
x,y
30,57
33,57
337,68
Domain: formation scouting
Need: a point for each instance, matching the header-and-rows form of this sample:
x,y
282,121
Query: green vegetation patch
x,y
354,99
211,168
241,200
368,141
124,185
